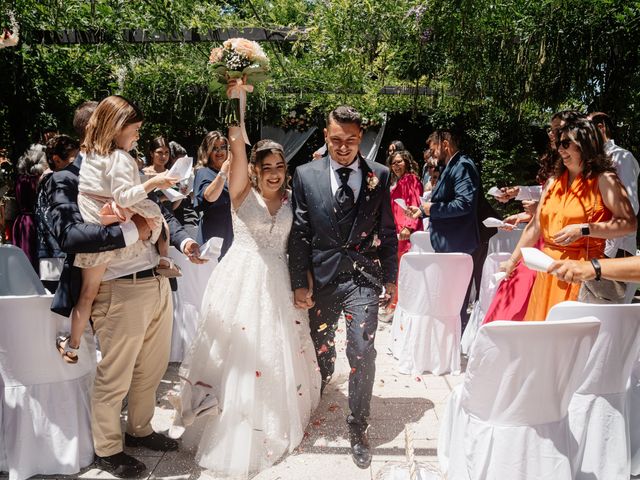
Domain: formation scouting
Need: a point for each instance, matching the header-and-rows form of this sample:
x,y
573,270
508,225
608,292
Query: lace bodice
x,y
255,229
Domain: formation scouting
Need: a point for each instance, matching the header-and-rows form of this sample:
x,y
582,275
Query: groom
x,y
343,232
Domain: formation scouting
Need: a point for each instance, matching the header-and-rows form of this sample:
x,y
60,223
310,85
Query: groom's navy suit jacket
x,y
315,243
454,220
75,236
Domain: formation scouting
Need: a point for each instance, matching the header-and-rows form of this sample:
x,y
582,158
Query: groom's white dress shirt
x,y
628,169
355,178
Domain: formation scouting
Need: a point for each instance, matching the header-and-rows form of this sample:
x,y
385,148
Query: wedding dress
x,y
253,349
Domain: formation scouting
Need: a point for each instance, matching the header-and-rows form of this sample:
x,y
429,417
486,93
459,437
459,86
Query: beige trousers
x,y
133,321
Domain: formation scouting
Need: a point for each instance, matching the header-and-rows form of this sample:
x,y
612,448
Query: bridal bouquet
x,y
9,37
237,66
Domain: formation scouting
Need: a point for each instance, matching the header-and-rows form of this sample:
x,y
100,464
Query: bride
x,y
253,351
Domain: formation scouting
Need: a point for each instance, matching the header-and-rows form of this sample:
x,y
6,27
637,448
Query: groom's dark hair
x,y
344,114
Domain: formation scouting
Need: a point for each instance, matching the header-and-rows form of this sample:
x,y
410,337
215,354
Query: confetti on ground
x,y
333,407
418,379
322,327
258,373
323,349
353,370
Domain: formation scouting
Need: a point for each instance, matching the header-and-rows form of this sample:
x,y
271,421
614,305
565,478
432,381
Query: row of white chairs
x,y
546,400
542,400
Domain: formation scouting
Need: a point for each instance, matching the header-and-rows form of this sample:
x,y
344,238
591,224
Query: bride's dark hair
x,y
261,150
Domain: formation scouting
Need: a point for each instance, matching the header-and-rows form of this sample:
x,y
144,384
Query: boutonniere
x,y
372,180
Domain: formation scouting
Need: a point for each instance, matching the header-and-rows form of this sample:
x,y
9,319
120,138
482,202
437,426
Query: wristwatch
x,y
597,268
585,230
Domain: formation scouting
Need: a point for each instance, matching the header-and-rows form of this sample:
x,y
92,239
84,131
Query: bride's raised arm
x,y
239,183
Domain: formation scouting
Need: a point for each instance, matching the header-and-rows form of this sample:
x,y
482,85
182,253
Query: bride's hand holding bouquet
x,y
237,66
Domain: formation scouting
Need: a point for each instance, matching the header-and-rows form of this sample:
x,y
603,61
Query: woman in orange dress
x,y
581,206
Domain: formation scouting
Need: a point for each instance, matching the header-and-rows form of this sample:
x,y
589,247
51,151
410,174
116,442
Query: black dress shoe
x,y
155,441
121,465
360,451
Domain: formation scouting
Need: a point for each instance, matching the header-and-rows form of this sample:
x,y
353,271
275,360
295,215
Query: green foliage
x,y
497,68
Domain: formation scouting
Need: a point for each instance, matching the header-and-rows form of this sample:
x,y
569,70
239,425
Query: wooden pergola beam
x,y
386,90
193,35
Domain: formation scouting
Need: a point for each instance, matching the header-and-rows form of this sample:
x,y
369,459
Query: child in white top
x,y
110,191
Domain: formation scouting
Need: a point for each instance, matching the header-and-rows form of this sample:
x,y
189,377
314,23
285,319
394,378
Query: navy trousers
x,y
359,302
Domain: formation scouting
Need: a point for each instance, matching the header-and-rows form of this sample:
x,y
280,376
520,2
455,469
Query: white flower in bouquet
x,y
238,58
248,49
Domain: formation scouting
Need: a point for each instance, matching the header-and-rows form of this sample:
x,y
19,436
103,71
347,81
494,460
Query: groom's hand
x,y
389,293
303,298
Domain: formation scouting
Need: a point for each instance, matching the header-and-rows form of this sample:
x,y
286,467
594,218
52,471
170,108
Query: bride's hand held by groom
x,y
303,297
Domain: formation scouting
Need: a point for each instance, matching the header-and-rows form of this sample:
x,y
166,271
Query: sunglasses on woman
x,y
566,143
223,148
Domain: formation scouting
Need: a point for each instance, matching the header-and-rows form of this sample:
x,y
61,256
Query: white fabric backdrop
x,y
291,140
371,141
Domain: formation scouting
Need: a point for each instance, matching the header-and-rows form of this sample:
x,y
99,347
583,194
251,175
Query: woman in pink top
x,y
406,186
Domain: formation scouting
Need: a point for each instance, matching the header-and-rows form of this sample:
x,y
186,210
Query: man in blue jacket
x,y
453,209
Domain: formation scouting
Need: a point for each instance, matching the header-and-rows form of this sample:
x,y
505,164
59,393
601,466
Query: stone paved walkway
x,y
325,453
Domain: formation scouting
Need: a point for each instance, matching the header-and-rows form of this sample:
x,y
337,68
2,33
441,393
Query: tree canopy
x,y
497,68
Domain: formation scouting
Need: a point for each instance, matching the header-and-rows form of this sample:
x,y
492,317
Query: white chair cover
x,y
598,410
186,302
634,418
46,423
505,240
17,276
488,288
508,419
421,242
426,324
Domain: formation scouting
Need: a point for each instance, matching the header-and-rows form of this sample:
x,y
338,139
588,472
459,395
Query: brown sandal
x,y
69,354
